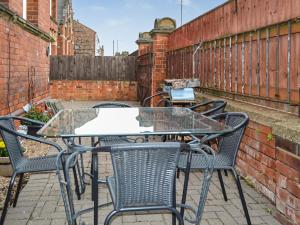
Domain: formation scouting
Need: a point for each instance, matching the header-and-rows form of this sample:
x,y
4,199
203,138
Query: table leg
x,y
95,186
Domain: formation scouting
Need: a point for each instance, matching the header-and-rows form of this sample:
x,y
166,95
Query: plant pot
x,y
6,169
32,129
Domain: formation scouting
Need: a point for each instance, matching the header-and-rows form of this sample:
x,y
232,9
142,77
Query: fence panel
x,y
118,68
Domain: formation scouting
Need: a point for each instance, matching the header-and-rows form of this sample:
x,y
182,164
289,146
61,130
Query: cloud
x,y
185,2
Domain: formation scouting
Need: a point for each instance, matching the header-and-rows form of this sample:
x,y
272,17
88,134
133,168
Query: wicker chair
x,y
144,179
228,147
20,163
161,102
210,108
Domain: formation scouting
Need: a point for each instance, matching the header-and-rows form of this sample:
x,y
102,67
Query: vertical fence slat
x,y
277,61
267,61
289,62
243,64
258,63
215,62
230,64
236,63
224,69
220,62
251,66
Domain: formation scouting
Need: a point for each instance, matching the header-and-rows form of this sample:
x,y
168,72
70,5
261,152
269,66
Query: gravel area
x,y
33,149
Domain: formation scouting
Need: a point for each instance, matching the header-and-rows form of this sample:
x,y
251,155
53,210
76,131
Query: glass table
x,y
129,122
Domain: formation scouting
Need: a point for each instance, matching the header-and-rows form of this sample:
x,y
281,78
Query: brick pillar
x,y
160,36
145,43
160,44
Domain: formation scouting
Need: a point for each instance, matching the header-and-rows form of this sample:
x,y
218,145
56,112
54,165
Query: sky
x,y
122,20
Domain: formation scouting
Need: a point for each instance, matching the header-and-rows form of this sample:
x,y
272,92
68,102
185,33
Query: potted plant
x,y
35,113
5,164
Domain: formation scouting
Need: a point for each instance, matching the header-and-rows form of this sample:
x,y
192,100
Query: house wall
x,y
84,39
24,65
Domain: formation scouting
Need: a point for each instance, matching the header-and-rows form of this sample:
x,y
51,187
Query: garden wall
x,y
93,78
93,90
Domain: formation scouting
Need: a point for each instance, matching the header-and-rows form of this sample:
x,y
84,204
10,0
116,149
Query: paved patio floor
x,y
40,202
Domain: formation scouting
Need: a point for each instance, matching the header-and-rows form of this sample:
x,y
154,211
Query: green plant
x,y
3,151
37,114
270,137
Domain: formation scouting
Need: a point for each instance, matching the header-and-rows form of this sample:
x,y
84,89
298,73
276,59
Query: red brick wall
x,y
14,5
273,170
44,15
93,90
159,47
38,13
32,11
21,52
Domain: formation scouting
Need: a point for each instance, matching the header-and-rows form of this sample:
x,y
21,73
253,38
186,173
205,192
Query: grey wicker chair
x,y
144,179
210,108
228,147
161,102
20,163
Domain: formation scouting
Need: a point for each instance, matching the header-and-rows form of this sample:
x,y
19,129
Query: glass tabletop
x,y
129,121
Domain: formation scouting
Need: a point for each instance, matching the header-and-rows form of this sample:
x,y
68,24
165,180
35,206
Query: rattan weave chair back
x,y
210,108
216,107
144,174
229,144
11,141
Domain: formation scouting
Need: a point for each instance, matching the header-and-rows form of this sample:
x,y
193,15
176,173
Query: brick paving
x,y
40,202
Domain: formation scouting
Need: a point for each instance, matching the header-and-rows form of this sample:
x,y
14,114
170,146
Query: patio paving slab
x,y
40,202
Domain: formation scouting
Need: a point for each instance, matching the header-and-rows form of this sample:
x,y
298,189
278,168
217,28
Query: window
x,y
25,9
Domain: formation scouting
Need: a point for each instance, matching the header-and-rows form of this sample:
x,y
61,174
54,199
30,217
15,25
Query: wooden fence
x,y
118,68
259,65
144,76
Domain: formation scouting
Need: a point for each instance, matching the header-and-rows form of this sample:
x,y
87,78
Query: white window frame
x,y
50,7
24,9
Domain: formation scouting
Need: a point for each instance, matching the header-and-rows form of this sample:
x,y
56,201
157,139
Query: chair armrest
x,y
152,96
33,138
200,105
28,120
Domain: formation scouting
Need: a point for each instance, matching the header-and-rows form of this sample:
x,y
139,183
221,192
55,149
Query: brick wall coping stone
x,y
24,24
284,125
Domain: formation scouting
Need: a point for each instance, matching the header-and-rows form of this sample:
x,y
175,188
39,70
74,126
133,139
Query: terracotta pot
x,y
6,169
